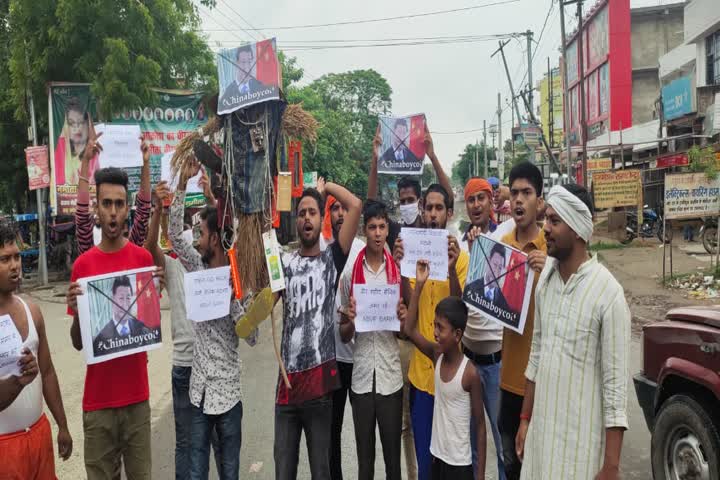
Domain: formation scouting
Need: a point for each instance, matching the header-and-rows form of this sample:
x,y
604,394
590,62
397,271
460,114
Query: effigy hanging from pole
x,y
244,147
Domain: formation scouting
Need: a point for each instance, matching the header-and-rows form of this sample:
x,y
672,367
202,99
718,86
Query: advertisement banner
x,y
599,164
674,160
72,106
617,189
691,195
677,98
38,168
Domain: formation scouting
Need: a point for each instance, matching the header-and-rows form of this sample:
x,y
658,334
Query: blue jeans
x,y
182,408
490,376
229,432
421,413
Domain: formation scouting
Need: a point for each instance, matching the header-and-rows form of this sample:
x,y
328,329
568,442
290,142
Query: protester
x,y
332,221
482,340
458,387
575,408
526,184
437,209
84,222
116,411
308,342
183,340
216,375
25,435
377,379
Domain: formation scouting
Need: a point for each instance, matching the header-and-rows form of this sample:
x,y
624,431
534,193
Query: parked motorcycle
x,y
652,226
708,235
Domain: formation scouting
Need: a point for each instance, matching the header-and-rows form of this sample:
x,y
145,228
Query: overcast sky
x,y
455,85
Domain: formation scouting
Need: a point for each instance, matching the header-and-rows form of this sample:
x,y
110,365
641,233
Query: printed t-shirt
x,y
308,339
421,372
516,347
121,381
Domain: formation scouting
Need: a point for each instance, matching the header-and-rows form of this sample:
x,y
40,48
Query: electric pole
x,y
566,98
551,99
476,157
485,147
583,127
42,254
507,73
528,37
500,156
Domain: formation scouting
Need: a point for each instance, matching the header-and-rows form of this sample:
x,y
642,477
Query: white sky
x,y
455,85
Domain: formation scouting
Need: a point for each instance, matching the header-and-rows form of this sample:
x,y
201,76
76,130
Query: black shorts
x,y
442,471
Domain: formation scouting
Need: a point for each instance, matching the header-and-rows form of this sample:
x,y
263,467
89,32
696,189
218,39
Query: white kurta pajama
x,y
579,363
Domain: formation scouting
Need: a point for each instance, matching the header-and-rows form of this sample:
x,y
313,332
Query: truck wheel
x,y
685,442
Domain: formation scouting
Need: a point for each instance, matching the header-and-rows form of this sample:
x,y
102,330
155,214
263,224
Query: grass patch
x,y
599,246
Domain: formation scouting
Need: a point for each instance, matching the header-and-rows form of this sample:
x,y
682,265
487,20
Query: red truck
x,y
679,392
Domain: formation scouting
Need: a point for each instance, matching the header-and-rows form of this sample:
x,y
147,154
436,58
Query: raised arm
x,y
411,318
443,179
83,221
373,177
143,203
349,228
190,258
51,387
152,241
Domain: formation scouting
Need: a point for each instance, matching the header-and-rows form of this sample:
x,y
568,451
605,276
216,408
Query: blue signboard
x,y
678,98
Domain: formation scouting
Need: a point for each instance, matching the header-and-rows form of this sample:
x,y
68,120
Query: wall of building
x,y
645,90
701,18
654,32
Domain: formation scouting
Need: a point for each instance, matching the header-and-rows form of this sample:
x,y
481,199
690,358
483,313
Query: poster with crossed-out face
x,y
403,144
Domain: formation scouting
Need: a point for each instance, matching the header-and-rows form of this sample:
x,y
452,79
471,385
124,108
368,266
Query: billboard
x,y
678,98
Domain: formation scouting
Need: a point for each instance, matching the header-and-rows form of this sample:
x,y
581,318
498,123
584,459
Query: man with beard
x,y
437,210
25,435
308,338
116,411
482,339
526,184
332,222
216,375
575,409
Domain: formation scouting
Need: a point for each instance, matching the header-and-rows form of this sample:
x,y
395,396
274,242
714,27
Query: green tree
x,y
464,167
428,175
703,160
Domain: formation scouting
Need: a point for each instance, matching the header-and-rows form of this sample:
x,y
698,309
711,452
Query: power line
x,y
444,37
209,15
243,19
537,45
387,19
297,48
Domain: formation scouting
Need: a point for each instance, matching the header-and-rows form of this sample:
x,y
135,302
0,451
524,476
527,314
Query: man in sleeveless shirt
x,y
25,434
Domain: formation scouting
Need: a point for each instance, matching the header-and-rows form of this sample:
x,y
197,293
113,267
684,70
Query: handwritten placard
x,y
121,146
691,195
425,244
376,308
10,347
207,294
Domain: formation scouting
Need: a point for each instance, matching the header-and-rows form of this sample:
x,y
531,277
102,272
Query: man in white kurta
x,y
578,365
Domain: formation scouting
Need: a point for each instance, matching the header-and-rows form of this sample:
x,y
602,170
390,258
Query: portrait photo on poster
x,y
247,75
499,283
119,314
403,144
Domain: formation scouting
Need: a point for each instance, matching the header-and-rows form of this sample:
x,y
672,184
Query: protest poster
x,y
36,159
119,314
499,283
691,195
207,294
121,145
247,75
403,144
617,189
272,258
162,126
10,347
376,307
425,244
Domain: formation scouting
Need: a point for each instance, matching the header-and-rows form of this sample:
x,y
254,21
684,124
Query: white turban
x,y
572,210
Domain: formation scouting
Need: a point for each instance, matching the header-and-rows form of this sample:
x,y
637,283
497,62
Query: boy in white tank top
x,y
458,388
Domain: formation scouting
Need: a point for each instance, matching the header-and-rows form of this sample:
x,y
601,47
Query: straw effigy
x,y
299,124
184,149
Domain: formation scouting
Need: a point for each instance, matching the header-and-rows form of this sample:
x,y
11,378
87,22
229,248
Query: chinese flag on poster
x,y
267,67
514,287
417,136
148,301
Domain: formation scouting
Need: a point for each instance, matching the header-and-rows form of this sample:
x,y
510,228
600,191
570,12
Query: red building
x,y
607,71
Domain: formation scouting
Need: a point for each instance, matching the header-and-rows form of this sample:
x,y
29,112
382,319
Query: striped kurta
x,y
579,363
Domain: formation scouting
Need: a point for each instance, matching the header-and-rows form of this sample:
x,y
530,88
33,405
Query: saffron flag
x,y
148,300
514,287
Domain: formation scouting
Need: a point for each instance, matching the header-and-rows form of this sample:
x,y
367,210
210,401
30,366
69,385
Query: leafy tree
x,y
464,168
428,175
703,160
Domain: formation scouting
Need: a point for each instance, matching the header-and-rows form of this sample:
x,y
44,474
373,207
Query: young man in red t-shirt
x,y
116,412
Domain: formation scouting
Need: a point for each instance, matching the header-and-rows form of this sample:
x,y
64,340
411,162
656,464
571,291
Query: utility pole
x,y
476,156
42,256
507,73
485,147
583,127
533,121
500,156
528,37
512,137
551,99
566,98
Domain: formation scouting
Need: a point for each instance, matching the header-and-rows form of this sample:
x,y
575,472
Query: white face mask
x,y
409,213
